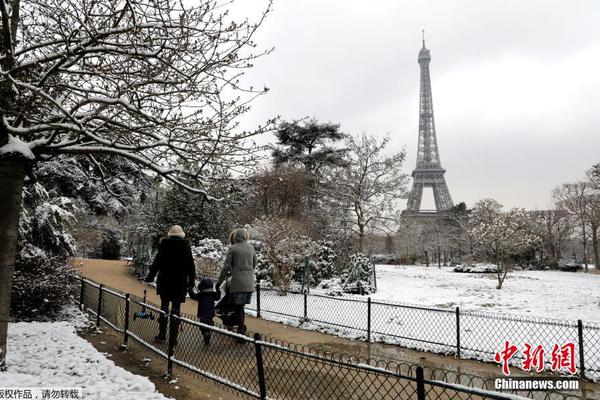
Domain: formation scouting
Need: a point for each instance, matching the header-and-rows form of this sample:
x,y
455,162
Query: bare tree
x,y
284,240
556,227
153,81
574,199
366,189
594,209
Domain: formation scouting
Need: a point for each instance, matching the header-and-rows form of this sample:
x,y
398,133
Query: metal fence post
x,y
420,384
260,367
369,319
126,327
457,332
258,300
305,306
171,344
81,305
99,309
581,353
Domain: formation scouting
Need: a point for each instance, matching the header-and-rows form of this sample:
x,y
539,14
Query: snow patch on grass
x,y
52,354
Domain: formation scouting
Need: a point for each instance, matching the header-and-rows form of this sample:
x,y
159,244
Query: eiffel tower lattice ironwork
x,y
429,171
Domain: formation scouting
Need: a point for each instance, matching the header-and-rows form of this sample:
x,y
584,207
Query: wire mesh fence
x,y
256,367
466,334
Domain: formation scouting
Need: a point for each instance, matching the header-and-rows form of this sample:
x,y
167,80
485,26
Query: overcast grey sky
x,y
516,83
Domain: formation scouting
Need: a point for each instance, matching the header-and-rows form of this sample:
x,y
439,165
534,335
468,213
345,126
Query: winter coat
x,y
240,262
206,304
175,267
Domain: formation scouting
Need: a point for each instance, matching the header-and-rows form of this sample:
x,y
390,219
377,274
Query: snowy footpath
x,y
51,354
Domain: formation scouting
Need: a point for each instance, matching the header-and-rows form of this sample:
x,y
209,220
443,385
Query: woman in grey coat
x,y
239,265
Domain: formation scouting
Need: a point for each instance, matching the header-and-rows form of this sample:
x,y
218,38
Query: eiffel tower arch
x,y
428,171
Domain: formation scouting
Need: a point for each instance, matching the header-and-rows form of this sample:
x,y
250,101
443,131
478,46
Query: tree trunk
x,y
361,238
585,253
426,258
595,245
12,176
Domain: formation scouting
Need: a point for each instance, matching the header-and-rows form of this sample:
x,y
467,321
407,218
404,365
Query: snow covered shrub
x,y
325,261
44,221
111,244
41,280
388,259
210,248
263,270
480,268
41,284
209,255
333,286
358,275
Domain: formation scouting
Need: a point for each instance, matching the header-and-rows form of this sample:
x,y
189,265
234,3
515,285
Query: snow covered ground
x,y
51,354
415,307
549,294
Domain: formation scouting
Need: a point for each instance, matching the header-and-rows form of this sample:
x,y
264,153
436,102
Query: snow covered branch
x,y
153,81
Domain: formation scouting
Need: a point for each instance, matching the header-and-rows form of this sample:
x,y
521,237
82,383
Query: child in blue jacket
x,y
206,296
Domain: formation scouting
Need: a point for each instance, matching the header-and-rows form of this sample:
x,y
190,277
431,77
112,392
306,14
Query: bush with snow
x,y
41,278
482,268
387,259
41,284
357,277
333,286
209,255
210,248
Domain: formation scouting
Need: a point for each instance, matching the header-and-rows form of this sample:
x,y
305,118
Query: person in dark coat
x,y
239,265
174,265
206,296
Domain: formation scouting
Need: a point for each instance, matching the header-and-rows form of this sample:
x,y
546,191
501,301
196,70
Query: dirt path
x,y
115,274
138,360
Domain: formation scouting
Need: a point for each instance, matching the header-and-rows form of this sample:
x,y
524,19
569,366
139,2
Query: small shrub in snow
x,y
324,265
359,287
41,284
210,248
388,259
479,268
333,286
264,271
358,275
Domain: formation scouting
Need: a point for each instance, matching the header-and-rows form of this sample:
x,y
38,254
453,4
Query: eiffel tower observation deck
x,y
429,171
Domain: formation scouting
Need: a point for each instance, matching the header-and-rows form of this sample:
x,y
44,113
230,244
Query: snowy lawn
x,y
415,307
549,294
51,354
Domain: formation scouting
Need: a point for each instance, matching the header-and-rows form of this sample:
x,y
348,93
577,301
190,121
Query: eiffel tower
x,y
429,171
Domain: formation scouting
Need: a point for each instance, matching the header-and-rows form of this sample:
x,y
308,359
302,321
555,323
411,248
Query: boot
x,y
242,331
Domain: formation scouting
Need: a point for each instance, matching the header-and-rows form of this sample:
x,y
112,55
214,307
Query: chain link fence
x,y
466,334
261,367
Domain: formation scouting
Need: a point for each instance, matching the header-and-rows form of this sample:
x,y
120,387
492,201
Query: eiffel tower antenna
x,y
428,171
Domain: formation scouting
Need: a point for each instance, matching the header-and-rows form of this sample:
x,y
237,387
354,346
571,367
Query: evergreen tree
x,y
309,144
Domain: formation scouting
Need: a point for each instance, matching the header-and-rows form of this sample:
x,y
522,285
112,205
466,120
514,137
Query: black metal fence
x,y
466,334
255,367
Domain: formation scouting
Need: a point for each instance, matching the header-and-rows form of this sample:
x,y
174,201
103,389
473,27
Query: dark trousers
x,y
206,332
240,317
162,321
